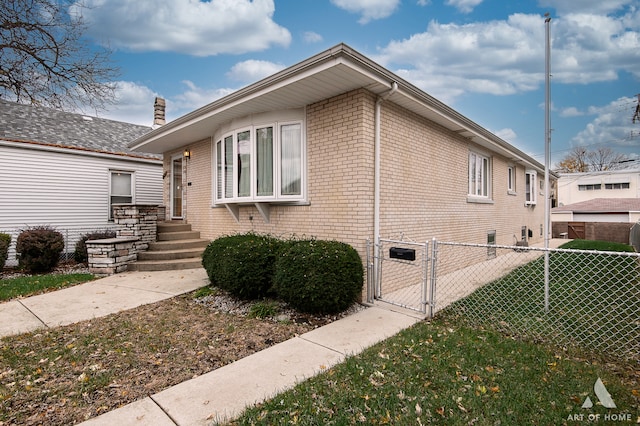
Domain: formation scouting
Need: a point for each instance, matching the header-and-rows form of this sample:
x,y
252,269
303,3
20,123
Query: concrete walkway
x,y
225,392
96,299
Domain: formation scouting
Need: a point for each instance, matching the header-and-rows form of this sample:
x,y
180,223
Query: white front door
x,y
176,188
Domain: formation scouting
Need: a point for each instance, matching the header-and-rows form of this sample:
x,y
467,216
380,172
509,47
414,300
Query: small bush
x,y
264,309
5,242
39,248
80,253
319,276
242,264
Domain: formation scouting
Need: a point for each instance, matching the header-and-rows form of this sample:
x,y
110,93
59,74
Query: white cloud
x,y
311,37
193,98
424,2
464,6
507,134
612,127
571,112
253,70
133,104
505,57
185,26
368,9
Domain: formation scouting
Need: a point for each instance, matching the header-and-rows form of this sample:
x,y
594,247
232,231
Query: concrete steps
x,y
177,247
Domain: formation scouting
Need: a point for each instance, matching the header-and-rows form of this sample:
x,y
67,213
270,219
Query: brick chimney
x,y
158,112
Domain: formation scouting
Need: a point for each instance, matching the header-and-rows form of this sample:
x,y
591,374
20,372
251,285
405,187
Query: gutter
x,y
376,191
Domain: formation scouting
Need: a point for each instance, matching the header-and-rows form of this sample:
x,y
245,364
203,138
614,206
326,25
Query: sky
x,y
483,58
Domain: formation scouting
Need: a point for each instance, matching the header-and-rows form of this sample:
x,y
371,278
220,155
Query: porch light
x,y
187,154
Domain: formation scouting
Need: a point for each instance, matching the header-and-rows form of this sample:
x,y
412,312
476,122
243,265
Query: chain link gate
x,y
398,274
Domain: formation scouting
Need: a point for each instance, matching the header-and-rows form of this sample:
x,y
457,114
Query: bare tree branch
x,y
582,160
44,59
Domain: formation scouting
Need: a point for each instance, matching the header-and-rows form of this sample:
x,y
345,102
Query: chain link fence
x,y
590,300
71,237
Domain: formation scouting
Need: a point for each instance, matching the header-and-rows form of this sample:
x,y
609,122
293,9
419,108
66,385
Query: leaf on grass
x,y
440,411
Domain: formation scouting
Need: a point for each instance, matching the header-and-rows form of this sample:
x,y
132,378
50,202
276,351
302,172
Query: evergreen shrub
x,y
242,264
318,276
5,242
39,249
80,254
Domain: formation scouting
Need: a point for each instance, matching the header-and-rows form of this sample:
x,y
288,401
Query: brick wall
x,y
424,183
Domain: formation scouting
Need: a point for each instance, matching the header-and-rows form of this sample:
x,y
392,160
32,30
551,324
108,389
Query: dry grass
x,y
68,374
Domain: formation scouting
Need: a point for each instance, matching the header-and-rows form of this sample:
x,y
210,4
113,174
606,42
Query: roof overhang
x,y
327,74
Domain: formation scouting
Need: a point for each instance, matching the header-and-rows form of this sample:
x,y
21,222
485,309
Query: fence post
x,y
369,272
432,281
377,261
425,279
546,280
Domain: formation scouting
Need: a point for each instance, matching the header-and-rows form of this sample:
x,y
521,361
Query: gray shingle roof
x,y
46,126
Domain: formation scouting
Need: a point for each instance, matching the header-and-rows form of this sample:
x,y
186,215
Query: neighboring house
x,y
605,219
338,147
579,187
65,170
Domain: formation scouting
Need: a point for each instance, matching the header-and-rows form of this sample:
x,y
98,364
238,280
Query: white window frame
x,y
220,198
511,180
531,187
111,195
479,176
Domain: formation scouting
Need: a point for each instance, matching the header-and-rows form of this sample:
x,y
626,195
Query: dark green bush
x,y
242,264
80,253
39,249
5,242
318,276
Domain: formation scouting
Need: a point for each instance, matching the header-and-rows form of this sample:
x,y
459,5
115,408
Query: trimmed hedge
x,y
80,254
242,264
5,242
39,248
319,276
313,276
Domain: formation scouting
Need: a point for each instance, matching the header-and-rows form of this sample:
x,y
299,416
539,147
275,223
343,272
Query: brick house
x,y
338,147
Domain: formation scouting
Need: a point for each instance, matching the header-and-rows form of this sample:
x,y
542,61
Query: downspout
x,y
376,190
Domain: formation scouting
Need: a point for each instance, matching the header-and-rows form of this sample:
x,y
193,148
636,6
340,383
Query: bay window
x,y
260,163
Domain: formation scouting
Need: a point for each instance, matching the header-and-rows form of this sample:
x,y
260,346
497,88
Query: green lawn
x,y
463,369
594,300
34,284
445,372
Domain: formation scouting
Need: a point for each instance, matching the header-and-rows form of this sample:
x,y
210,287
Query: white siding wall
x,y
569,191
65,189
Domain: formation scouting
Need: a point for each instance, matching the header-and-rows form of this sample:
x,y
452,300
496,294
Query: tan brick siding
x,y
424,183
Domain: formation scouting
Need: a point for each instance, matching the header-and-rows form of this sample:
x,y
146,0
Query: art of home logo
x,y
604,397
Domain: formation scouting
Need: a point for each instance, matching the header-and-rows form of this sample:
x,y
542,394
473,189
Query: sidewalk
x,y
96,299
222,393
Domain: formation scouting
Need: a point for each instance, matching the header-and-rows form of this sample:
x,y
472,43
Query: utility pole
x,y
547,159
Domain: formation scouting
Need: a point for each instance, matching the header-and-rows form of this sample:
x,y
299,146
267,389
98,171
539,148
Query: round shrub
x,y
319,276
80,253
39,249
242,264
5,242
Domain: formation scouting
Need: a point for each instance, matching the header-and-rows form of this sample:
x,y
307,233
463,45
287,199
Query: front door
x,y
176,188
